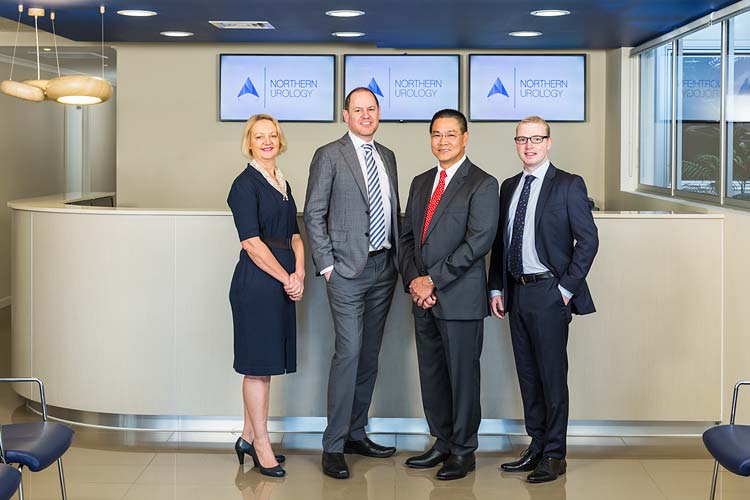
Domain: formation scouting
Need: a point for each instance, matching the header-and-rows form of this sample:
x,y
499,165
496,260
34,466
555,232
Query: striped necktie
x,y
377,216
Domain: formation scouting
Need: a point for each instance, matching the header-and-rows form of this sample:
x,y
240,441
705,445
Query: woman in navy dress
x,y
267,281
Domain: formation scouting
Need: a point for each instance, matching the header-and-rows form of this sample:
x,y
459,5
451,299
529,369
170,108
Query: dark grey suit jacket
x,y
459,236
337,207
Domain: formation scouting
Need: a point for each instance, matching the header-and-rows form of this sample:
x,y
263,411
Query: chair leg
x,y
62,478
20,485
713,481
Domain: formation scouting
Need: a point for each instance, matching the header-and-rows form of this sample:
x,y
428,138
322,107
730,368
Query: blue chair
x,y
729,444
10,479
35,445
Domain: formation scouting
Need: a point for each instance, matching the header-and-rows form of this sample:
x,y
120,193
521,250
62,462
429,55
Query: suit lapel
x,y
549,180
507,199
455,184
350,155
390,169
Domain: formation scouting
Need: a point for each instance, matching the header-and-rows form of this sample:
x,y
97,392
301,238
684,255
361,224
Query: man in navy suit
x,y
545,245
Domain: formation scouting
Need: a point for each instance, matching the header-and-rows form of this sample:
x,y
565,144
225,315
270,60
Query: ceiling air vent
x,y
243,25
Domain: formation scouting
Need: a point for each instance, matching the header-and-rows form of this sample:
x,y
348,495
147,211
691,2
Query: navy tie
x,y
515,259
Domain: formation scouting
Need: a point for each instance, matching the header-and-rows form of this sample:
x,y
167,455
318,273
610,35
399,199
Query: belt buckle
x,y
523,280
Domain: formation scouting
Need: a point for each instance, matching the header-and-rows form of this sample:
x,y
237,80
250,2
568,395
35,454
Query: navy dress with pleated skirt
x,y
265,331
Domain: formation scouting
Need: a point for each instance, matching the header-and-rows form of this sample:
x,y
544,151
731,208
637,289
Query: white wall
x,y
173,152
31,158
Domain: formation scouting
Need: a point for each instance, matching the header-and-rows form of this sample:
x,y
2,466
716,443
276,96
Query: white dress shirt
x,y
531,262
449,173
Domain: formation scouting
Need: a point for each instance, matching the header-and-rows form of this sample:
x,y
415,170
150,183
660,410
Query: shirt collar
x,y
539,172
359,142
452,169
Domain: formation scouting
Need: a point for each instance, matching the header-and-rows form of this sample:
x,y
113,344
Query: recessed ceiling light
x,y
550,13
347,34
176,33
136,13
525,33
345,13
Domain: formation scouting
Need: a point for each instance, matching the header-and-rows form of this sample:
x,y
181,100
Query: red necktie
x,y
434,201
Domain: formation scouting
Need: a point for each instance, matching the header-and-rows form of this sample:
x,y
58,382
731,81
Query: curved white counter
x,y
125,311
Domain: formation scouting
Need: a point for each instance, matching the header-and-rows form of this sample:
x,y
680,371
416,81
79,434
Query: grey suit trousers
x,y
359,307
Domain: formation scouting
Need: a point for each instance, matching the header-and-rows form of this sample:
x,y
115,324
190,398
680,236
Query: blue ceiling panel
x,y
593,24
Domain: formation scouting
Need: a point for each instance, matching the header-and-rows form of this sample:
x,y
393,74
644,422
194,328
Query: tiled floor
x,y
105,465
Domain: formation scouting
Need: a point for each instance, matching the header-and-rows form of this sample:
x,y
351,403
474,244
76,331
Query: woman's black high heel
x,y
242,447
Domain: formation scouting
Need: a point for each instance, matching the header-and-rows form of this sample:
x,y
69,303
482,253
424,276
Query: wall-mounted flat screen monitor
x,y
512,87
408,87
288,87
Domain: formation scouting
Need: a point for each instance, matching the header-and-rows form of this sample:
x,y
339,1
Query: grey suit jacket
x,y
460,234
337,207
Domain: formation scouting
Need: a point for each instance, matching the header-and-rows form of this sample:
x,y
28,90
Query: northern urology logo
x,y
498,88
248,88
290,88
375,88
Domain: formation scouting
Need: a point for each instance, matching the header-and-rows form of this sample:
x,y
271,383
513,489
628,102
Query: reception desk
x,y
124,313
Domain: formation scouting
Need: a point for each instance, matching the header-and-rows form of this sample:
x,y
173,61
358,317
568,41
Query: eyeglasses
x,y
535,139
449,136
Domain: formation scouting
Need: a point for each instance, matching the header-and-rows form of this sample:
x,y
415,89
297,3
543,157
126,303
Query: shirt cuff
x,y
327,269
568,295
495,293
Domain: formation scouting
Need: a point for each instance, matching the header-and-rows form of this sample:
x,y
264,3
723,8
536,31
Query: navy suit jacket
x,y
566,237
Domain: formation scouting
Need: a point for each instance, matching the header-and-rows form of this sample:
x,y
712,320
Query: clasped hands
x,y
422,292
295,286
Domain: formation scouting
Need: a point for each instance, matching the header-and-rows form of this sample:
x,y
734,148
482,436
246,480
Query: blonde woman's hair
x,y
534,119
245,145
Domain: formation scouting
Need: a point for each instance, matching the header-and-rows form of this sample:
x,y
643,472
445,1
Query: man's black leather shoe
x,y
428,459
528,462
334,465
548,469
368,448
456,467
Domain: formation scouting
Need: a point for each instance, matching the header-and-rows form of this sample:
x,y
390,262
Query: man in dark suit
x,y
545,245
351,216
450,223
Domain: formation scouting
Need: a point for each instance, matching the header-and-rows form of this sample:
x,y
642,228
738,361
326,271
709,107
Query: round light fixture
x,y
525,33
347,34
176,33
22,90
78,89
136,13
550,13
345,13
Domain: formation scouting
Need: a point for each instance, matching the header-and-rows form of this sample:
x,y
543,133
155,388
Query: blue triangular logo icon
x,y
373,86
248,88
745,88
498,88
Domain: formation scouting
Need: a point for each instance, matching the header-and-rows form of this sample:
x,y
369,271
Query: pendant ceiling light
x,y
30,90
80,90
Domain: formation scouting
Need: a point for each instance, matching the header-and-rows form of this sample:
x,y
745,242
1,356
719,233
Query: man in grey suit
x,y
351,216
450,224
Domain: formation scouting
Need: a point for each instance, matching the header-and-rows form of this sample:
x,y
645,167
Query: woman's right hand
x,y
294,287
